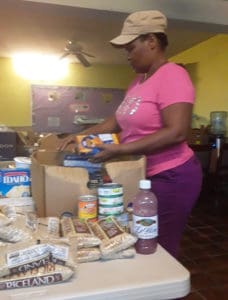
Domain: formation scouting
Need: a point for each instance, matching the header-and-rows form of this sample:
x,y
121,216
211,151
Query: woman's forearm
x,y
152,143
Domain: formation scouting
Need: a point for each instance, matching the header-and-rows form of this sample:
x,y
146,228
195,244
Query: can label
x,y
111,200
87,207
110,190
111,210
110,197
110,194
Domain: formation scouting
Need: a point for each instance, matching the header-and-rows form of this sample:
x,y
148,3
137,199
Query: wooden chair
x,y
203,153
222,170
215,172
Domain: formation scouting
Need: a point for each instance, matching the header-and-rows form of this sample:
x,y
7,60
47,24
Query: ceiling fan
x,y
73,48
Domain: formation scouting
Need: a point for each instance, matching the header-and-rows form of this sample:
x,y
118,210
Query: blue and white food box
x,y
15,182
74,160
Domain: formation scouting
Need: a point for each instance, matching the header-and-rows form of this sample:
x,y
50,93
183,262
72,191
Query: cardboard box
x,y
51,141
26,140
7,145
56,189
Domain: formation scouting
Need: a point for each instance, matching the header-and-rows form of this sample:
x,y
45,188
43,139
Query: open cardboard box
x,y
56,189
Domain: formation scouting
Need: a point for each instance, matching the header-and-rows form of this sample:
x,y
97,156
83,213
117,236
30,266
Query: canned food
x,y
110,210
110,198
87,207
110,190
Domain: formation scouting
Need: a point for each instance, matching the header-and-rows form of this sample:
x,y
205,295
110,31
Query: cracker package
x,y
88,254
89,144
113,237
84,235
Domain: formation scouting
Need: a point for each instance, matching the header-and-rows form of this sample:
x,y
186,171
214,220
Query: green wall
x,y
207,63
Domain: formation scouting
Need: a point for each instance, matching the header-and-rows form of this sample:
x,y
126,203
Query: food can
x,y
110,210
110,199
87,207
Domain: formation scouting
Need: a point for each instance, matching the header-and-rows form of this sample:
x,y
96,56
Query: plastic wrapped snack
x,y
67,227
13,234
4,220
45,275
48,228
31,221
88,254
10,212
53,226
113,237
127,253
23,257
84,235
63,255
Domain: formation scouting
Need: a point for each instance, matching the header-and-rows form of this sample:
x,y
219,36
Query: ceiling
x,y
44,27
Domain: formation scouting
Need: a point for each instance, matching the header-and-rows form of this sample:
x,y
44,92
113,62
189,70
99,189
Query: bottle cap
x,y
145,184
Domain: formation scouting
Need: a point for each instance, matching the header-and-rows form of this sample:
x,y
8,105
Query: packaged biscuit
x,y
113,238
89,144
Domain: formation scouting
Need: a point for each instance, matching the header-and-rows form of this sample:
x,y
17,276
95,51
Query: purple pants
x,y
177,191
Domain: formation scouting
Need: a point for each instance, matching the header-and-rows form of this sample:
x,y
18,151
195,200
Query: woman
x,y
154,119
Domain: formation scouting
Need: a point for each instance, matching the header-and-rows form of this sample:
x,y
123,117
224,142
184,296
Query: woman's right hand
x,y
68,143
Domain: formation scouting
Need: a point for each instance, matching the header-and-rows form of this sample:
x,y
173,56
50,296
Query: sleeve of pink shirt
x,y
175,86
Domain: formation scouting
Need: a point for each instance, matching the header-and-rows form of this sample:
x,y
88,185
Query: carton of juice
x,y
89,144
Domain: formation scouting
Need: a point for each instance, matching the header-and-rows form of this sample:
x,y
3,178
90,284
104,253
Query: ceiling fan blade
x,y
82,59
64,55
87,54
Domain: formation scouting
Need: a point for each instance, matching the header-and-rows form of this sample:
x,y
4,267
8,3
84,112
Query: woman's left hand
x,y
107,151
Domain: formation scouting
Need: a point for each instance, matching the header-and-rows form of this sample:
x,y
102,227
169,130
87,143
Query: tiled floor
x,y
204,250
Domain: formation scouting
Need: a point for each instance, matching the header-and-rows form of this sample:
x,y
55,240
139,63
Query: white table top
x,y
146,277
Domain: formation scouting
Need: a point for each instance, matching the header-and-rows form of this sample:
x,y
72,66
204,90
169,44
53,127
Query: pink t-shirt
x,y
140,113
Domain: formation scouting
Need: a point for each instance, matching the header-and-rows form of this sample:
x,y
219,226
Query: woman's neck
x,y
154,67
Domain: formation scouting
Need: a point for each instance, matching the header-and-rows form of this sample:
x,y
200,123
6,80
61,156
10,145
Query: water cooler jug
x,y
218,128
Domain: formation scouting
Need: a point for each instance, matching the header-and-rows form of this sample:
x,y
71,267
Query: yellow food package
x,y
89,144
